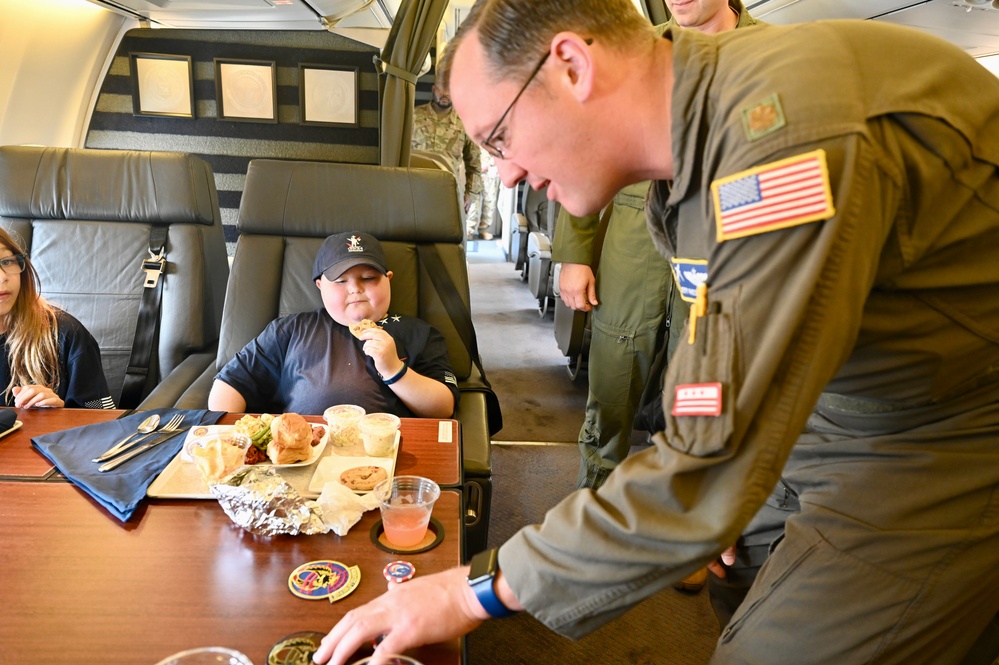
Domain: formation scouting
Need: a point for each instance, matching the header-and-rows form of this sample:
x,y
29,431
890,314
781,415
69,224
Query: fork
x,y
170,426
167,432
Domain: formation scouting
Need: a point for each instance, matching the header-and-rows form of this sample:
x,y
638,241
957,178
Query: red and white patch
x,y
698,399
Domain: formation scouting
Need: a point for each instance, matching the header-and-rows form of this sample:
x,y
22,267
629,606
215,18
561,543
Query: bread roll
x,y
291,439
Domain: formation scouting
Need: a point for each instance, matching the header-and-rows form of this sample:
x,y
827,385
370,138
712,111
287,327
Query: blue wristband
x,y
401,373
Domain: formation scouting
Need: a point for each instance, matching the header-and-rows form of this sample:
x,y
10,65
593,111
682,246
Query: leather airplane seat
x,y
88,217
288,208
531,218
572,327
540,269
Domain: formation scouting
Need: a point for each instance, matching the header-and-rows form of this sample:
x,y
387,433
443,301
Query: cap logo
x,y
354,244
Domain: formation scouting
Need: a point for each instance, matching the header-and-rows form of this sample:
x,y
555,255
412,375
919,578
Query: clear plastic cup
x,y
378,433
406,503
207,656
342,424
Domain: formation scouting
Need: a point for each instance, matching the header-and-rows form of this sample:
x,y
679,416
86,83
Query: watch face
x,y
483,566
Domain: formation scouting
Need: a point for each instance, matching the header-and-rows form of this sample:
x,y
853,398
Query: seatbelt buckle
x,y
153,267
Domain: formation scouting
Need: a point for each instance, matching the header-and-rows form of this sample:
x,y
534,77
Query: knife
x,y
155,441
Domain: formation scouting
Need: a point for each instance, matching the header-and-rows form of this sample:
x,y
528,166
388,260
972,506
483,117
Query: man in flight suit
x,y
630,292
845,340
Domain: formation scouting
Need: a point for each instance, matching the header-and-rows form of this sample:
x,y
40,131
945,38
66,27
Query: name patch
x,y
774,196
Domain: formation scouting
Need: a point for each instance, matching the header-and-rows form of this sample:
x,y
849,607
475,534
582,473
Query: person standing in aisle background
x,y
438,129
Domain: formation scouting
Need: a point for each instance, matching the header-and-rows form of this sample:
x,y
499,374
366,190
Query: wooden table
x,y
78,586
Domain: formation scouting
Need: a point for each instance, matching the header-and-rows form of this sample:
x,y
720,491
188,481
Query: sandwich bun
x,y
291,439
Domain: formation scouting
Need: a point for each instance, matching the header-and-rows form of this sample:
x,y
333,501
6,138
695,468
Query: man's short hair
x,y
516,33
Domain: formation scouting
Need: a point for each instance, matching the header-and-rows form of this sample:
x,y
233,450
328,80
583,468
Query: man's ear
x,y
576,61
319,282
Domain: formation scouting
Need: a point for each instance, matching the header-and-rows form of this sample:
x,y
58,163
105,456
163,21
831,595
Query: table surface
x,y
78,586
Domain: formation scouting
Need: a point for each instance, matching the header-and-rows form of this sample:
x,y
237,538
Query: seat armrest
x,y
474,419
168,391
196,396
521,222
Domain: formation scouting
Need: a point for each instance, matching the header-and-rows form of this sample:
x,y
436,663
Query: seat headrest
x,y
317,199
106,185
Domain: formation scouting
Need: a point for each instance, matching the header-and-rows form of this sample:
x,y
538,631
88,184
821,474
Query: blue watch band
x,y
490,602
484,567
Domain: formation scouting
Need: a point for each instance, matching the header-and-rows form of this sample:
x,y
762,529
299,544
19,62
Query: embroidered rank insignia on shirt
x,y
688,273
697,399
774,196
763,118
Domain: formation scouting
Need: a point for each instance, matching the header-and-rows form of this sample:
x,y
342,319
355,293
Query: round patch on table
x,y
324,579
295,649
399,571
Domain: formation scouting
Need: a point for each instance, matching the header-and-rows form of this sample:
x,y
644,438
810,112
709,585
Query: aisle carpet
x,y
670,628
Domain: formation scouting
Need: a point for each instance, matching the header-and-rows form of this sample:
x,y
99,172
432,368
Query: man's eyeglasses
x,y
494,144
13,265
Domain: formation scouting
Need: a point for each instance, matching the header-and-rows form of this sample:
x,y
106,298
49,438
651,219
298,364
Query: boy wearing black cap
x,y
306,362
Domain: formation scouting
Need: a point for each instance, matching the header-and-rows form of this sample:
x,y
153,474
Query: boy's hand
x,y
380,347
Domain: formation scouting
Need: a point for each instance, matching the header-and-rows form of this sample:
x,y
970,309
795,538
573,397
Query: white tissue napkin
x,y
341,508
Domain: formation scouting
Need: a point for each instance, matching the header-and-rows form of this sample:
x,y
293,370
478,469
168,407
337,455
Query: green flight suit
x,y
848,345
635,290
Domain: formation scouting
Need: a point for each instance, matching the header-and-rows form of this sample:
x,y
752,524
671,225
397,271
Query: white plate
x,y
182,480
202,431
330,467
16,426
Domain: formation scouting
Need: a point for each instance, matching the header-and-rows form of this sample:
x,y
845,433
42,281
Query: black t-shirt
x,y
307,362
82,383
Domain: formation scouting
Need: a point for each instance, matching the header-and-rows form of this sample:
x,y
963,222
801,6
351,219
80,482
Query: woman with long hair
x,y
49,358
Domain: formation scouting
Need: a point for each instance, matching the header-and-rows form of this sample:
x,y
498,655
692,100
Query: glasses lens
x,y
13,265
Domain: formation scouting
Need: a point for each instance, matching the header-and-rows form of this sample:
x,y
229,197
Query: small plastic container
x,y
378,432
342,424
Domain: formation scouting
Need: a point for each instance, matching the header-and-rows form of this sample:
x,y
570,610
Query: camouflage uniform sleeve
x,y
473,168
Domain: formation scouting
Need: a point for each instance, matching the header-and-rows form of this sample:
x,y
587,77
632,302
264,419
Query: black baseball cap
x,y
343,251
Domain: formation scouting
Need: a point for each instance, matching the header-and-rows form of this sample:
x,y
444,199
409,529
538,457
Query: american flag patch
x,y
698,399
774,196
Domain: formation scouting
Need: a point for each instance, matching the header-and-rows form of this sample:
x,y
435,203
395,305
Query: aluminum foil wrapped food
x,y
262,502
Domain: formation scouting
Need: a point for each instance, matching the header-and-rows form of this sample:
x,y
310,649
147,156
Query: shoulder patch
x,y
688,273
697,399
779,195
763,118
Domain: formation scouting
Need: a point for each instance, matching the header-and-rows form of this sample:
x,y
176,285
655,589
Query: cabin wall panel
x,y
230,145
53,53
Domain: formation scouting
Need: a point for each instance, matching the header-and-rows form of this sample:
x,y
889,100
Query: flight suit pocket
x,y
806,572
700,410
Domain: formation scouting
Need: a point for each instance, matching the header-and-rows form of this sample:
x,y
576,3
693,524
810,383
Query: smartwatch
x,y
485,567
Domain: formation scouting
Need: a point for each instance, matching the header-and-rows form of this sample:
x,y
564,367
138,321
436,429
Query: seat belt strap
x,y
147,324
459,313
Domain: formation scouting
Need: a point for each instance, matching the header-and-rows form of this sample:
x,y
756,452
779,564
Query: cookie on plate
x,y
363,478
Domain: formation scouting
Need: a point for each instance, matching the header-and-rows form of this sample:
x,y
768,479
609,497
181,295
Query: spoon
x,y
145,427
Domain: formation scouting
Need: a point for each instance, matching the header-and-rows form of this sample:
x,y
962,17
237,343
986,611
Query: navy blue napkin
x,y
122,489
